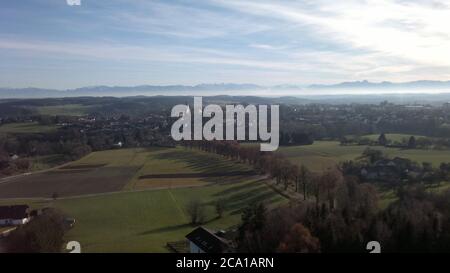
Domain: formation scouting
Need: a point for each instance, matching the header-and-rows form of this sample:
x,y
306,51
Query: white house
x,y
14,215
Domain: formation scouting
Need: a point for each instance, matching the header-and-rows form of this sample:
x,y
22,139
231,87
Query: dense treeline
x,y
417,222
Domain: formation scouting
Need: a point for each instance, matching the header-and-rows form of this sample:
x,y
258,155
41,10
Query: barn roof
x,y
208,241
14,212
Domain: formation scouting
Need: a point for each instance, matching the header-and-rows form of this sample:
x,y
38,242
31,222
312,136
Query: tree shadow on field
x,y
172,228
164,229
243,200
227,180
239,187
200,163
240,196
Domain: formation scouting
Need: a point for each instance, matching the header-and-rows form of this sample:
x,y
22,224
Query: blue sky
x,y
50,44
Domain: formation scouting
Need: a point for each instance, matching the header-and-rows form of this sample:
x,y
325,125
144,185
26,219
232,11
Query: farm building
x,y
203,240
14,215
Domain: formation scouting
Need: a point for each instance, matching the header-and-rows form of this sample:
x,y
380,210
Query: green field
x,y
127,169
116,158
143,220
325,154
164,161
146,221
26,127
183,161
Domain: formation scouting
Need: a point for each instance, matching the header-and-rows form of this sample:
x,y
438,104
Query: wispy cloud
x,y
309,41
73,2
416,31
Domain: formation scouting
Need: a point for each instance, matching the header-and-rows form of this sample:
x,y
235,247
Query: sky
x,y
64,44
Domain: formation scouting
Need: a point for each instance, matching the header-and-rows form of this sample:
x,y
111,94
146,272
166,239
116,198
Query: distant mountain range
x,y
215,89
385,85
122,91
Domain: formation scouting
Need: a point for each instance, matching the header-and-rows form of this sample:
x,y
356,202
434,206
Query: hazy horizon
x,y
275,93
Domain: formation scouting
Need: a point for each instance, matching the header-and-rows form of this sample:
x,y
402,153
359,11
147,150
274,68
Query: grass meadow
x,y
143,214
144,221
325,154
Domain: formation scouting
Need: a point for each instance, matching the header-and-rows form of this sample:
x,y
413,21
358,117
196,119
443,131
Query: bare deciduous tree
x,y
299,240
220,207
196,211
